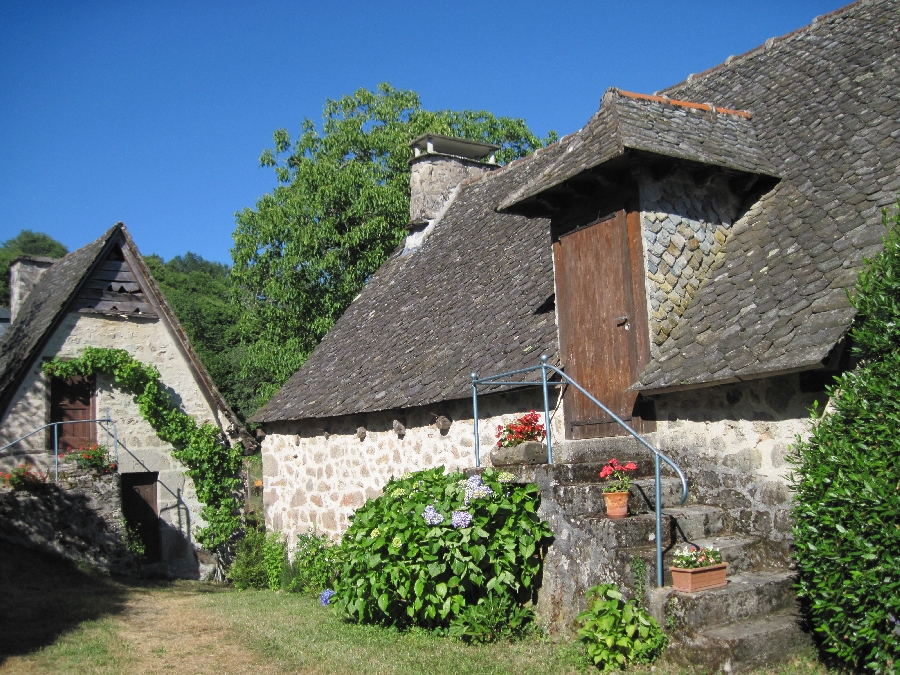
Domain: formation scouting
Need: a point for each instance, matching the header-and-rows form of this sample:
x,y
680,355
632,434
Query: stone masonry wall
x,y
732,441
316,473
78,518
684,227
140,449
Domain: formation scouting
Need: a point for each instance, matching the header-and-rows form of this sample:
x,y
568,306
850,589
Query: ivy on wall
x,y
212,464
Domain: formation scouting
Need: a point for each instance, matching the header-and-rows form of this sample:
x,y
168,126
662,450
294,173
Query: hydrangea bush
x,y
433,547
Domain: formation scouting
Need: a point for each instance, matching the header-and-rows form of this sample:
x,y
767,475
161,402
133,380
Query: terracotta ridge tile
x,y
684,104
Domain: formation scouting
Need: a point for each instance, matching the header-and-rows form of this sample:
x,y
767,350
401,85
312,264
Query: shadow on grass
x,y
42,597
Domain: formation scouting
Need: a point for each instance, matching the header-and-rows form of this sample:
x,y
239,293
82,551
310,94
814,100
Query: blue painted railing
x,y
102,422
546,383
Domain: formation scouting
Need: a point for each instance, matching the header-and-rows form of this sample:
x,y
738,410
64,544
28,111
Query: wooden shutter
x,y
72,400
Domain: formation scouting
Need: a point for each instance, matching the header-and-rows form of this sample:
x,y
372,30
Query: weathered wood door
x,y
140,510
72,400
602,321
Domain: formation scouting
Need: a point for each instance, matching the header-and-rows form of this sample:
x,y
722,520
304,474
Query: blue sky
x,y
156,113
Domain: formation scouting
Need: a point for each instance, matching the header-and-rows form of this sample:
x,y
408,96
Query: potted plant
x,y
525,435
616,491
697,569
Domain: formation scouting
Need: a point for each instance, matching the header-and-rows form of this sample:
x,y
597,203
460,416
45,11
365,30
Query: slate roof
x,y
819,109
468,299
49,301
825,102
696,132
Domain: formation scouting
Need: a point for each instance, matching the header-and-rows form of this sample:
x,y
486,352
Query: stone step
x,y
560,473
695,522
600,449
748,595
581,499
741,553
742,646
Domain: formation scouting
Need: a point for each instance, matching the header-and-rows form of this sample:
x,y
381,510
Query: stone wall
x,y
78,518
140,449
732,441
684,226
317,472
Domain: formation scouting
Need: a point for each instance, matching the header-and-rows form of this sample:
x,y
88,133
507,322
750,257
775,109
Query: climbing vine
x,y
211,464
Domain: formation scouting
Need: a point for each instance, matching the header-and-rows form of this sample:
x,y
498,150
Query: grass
x,y
56,618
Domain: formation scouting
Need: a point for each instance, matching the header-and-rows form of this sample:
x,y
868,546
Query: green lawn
x,y
56,618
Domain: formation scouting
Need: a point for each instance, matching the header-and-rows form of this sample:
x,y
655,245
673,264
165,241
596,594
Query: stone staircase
x,y
748,623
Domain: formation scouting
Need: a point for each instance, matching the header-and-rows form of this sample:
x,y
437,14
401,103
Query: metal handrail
x,y
496,380
55,425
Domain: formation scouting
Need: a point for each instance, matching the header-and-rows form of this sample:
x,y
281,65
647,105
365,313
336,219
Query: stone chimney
x,y
441,163
23,275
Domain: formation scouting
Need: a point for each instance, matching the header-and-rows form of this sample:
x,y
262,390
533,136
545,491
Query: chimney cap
x,y
448,145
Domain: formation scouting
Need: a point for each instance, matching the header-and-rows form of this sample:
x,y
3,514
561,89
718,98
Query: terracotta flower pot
x,y
698,578
616,504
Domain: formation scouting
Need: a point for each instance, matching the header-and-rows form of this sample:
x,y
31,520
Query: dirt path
x,y
55,618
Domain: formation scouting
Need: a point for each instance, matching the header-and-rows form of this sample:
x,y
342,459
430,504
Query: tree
x,y
199,292
25,243
340,209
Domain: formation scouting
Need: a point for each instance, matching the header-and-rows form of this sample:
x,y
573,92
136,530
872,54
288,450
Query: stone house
x,y
103,295
685,256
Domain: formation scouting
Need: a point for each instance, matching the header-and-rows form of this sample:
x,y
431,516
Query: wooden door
x,y
72,400
602,322
141,512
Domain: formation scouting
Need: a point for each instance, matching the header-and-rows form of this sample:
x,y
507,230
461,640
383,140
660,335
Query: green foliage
x,y
25,243
274,556
133,541
639,577
847,482
406,564
260,561
316,565
618,633
341,207
248,570
493,618
212,464
199,293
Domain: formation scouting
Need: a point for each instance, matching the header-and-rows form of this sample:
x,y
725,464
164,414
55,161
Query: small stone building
x,y
103,295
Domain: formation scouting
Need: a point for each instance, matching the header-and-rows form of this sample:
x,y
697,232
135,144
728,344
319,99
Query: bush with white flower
x,y
436,550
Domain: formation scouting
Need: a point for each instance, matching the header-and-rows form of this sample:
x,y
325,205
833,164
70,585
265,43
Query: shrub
x,y
317,562
259,561
618,633
847,482
432,547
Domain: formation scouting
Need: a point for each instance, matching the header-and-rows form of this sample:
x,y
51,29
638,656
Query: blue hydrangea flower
x,y
431,515
461,519
476,489
325,597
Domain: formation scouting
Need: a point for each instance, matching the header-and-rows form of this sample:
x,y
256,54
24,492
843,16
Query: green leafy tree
x,y
847,505
340,209
25,243
199,293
